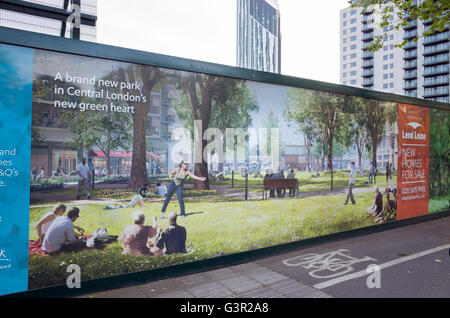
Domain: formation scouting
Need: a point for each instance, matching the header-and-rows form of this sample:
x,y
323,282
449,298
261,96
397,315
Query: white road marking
x,y
363,273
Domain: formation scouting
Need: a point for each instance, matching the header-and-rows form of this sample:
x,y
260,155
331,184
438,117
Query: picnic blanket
x,y
100,241
35,248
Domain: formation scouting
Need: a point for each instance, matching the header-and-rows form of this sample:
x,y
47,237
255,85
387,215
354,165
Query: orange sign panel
x,y
413,160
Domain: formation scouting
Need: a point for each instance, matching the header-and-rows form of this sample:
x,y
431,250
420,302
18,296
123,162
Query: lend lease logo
x,y
414,125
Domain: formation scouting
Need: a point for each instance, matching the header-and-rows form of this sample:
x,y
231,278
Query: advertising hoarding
x,y
265,165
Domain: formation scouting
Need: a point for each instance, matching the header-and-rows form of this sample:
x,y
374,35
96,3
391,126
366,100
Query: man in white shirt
x,y
162,189
61,236
83,178
351,183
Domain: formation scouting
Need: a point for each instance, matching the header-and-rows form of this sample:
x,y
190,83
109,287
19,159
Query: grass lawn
x,y
308,183
215,228
439,204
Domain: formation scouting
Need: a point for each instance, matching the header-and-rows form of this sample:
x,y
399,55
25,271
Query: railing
x,y
430,92
436,38
430,60
411,85
435,70
410,54
367,64
443,47
367,54
410,64
410,75
367,36
436,81
410,34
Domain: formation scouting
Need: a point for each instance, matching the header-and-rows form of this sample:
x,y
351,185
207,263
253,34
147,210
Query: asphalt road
x,y
414,261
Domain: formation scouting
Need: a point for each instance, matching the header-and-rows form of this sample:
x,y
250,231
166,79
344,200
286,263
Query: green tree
x,y
373,115
324,110
204,95
439,153
235,112
108,131
399,13
308,129
148,77
354,133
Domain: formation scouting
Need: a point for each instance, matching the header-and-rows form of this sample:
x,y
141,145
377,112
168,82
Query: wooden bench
x,y
274,184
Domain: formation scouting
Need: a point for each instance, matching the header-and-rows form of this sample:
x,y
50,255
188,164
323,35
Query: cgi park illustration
x,y
265,164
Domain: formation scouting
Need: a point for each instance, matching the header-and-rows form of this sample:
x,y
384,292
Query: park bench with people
x,y
280,184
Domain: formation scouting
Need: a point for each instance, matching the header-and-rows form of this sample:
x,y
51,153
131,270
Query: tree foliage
x,y
217,102
399,13
439,153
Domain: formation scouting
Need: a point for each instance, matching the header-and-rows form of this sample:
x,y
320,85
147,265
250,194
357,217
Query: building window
x,y
353,64
385,57
391,37
385,67
385,48
353,56
353,12
352,21
385,76
345,23
391,56
353,29
344,15
345,57
353,38
391,75
352,73
391,47
353,82
391,66
353,47
344,75
344,32
385,86
345,41
345,49
391,85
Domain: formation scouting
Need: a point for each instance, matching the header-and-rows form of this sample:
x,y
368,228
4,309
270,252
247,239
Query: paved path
x,y
414,262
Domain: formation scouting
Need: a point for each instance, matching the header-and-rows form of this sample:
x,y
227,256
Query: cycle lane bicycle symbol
x,y
327,265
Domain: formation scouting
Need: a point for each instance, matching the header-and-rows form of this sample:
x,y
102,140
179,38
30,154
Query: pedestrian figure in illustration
x,y
351,183
176,185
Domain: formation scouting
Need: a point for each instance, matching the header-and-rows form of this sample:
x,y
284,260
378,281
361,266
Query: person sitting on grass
x,y
377,206
144,191
61,236
135,237
48,218
173,238
390,209
161,190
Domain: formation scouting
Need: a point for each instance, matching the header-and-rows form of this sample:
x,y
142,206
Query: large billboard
x,y
116,167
